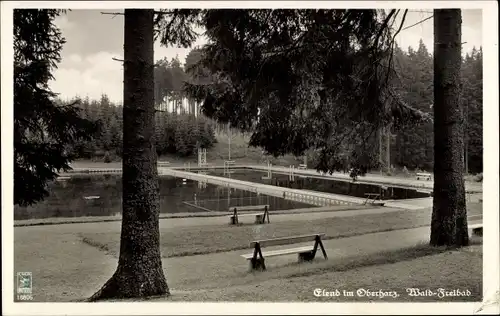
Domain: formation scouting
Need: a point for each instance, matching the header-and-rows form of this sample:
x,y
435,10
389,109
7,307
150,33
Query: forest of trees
x,y
177,134
180,127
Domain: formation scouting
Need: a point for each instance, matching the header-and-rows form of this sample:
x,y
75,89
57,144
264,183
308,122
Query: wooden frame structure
x,y
308,253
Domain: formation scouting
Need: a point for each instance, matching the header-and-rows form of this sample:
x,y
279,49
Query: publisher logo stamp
x,y
24,286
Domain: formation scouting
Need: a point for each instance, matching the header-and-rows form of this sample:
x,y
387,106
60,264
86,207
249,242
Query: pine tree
x,y
139,272
449,215
43,129
318,78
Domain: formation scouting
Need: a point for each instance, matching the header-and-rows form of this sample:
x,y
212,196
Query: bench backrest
x,y
286,240
248,207
423,174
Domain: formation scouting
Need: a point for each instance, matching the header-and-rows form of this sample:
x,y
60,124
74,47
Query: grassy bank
x,y
420,266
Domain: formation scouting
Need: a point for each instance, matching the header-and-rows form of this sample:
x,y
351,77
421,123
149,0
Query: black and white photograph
x,y
249,153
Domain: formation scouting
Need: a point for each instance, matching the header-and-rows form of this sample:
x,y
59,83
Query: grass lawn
x,y
209,239
195,240
58,259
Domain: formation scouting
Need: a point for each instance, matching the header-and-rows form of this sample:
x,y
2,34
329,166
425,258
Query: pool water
x,y
77,196
323,185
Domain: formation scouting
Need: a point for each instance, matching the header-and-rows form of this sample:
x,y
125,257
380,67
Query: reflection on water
x,y
101,195
324,185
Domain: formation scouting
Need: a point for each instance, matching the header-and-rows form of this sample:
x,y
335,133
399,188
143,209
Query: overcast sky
x,y
93,39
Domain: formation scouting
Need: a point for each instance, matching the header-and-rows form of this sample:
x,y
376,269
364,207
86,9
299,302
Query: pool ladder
x,y
291,173
269,172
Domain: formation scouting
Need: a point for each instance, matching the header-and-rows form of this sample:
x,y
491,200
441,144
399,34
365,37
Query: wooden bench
x,y
477,229
424,175
163,163
306,253
260,218
302,166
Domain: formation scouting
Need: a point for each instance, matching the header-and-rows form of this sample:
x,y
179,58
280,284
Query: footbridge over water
x,y
304,196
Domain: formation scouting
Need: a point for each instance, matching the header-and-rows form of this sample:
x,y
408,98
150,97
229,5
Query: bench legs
x,y
319,243
257,262
234,219
261,219
309,255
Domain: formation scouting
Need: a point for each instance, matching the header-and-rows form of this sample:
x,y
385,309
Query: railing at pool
x,y
304,196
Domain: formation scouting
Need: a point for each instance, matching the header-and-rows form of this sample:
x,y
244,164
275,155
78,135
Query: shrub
x,y
107,157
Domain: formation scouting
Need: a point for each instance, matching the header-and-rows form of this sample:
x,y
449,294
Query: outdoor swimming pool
x,y
321,185
73,198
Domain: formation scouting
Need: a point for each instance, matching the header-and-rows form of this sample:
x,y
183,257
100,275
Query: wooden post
x,y
235,214
257,260
266,211
318,240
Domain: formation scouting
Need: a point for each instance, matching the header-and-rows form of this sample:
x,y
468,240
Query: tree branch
x,y
114,14
384,26
421,21
393,42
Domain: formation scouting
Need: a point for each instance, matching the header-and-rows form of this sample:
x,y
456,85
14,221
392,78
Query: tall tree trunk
x,y
449,216
380,160
388,149
139,272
